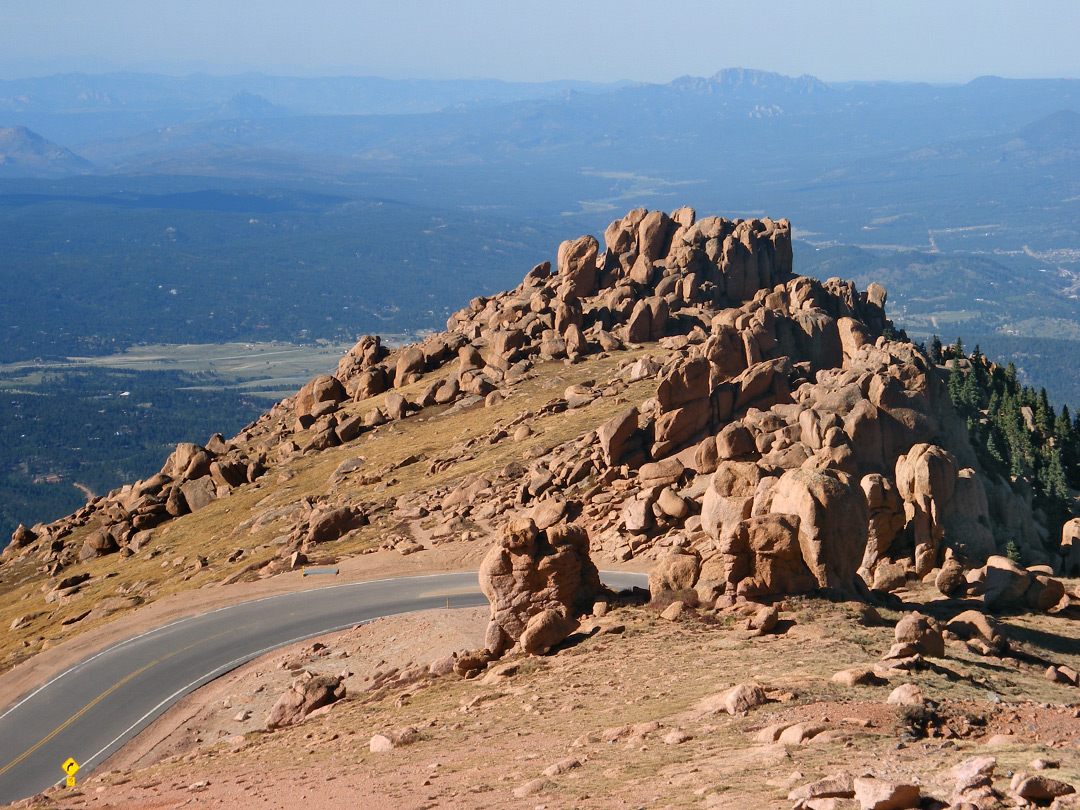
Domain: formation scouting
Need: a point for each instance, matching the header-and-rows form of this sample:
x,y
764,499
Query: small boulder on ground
x,y
306,694
674,611
1039,789
884,794
840,786
858,676
743,698
922,632
906,694
381,743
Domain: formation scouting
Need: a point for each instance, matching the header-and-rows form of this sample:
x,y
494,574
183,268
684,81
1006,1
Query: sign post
x,y
70,767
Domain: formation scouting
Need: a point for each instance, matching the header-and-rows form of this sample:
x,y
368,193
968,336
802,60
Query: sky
x,y
597,40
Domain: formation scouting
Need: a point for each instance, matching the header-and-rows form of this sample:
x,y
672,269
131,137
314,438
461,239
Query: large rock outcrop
x,y
832,518
1070,548
537,582
767,426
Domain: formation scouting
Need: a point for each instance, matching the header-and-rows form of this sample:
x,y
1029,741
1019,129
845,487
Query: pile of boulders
x,y
1003,584
788,442
973,789
192,477
307,694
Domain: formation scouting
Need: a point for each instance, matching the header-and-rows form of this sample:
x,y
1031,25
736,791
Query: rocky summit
x,y
677,395
791,441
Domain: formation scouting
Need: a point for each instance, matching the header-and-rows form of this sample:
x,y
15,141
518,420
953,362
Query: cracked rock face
x,y
537,582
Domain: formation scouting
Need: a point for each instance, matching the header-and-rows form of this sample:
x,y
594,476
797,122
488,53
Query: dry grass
x,y
216,531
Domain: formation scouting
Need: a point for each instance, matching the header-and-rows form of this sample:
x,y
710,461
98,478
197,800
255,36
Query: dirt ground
x,y
626,714
380,565
240,701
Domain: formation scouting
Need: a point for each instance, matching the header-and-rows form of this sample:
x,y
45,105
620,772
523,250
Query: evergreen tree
x,y
1028,397
1063,424
1044,414
1054,491
1068,440
954,383
981,368
935,349
996,450
970,396
1056,487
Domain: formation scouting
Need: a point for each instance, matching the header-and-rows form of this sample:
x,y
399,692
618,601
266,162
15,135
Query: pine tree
x,y
996,449
1053,490
969,394
1044,414
981,368
1056,487
935,350
1067,438
1010,374
1028,397
955,384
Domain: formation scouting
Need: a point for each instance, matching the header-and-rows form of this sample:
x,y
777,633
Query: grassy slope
x,y
216,531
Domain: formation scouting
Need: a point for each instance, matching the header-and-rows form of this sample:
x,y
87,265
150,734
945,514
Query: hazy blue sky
x,y
585,39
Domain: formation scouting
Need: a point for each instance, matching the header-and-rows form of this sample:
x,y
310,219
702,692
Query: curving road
x,y
90,710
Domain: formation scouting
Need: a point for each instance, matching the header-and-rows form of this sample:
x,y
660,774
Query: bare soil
x,y
600,713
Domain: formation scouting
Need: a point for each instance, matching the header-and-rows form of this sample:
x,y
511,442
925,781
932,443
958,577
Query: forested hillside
x,y
1015,430
97,266
89,431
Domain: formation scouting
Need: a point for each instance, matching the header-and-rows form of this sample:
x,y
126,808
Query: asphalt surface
x,y
89,711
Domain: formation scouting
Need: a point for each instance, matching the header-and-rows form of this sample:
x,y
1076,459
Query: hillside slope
x,y
681,391
680,400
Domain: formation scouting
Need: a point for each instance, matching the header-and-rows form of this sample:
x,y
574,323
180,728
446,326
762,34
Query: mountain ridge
x,y
777,383
790,469
25,152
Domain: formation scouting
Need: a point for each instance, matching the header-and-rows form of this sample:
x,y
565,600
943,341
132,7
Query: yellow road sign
x,y
71,781
70,767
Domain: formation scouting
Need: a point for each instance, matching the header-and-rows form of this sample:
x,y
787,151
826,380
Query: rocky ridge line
x,y
790,445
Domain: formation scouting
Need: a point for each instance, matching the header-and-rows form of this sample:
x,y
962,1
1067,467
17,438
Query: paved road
x,y
89,711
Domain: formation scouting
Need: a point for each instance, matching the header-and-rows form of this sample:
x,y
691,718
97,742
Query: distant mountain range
x,y
965,197
803,126
76,108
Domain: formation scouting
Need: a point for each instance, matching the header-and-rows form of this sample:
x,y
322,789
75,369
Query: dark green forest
x,y
1015,430
101,428
91,268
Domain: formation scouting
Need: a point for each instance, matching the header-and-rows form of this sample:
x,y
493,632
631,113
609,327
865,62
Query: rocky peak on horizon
x,y
23,151
244,105
756,81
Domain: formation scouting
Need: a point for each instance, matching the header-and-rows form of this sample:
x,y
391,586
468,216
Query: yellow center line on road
x,y
109,691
